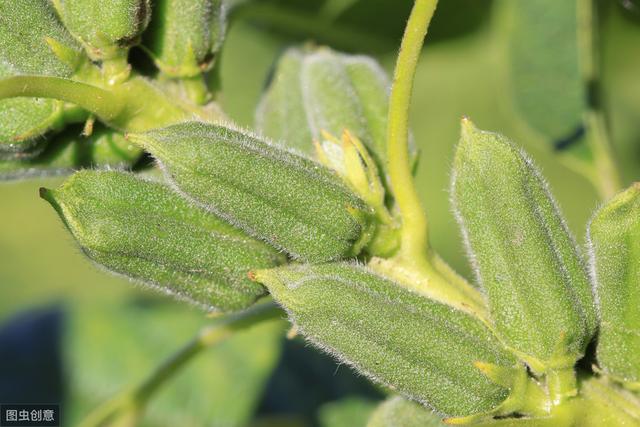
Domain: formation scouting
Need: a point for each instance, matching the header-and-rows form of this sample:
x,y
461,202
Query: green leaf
x,y
106,28
146,231
351,411
29,31
400,412
524,257
316,90
289,201
71,151
614,240
424,349
543,50
185,35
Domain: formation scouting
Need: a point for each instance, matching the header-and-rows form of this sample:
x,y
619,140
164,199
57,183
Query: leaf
x,y
545,75
146,231
185,35
397,411
351,411
614,242
425,349
70,151
287,200
28,31
524,257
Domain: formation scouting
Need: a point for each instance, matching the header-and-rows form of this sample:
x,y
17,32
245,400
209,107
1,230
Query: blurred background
x,y
72,334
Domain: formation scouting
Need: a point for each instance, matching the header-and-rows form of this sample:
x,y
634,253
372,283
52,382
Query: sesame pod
x,y
106,29
614,240
30,33
146,231
424,349
289,201
185,35
321,90
70,150
397,411
281,113
524,257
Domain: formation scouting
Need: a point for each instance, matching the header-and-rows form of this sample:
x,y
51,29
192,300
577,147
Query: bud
x,y
289,201
32,41
524,257
424,349
106,28
185,35
614,241
146,231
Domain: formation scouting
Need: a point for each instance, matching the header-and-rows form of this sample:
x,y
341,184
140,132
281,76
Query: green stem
x,y
609,182
414,238
99,101
129,405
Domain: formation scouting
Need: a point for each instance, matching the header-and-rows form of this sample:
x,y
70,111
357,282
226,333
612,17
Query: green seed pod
x,y
281,113
30,33
523,254
322,90
425,349
146,231
185,35
397,411
291,202
106,28
614,239
70,150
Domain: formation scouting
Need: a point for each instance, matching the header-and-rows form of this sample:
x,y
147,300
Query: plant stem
x,y
414,238
608,182
129,405
99,101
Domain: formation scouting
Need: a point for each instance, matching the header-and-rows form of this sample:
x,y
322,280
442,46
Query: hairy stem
x,y
414,239
99,101
126,407
608,181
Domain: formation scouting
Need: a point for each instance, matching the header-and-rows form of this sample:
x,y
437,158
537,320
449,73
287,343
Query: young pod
x,y
424,349
146,231
106,29
287,200
185,35
614,240
524,257
32,41
320,90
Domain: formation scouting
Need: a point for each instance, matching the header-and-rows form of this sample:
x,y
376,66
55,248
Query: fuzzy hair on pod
x,y
146,231
614,244
524,257
424,349
293,203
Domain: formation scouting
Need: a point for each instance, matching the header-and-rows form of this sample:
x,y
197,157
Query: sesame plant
x,y
314,214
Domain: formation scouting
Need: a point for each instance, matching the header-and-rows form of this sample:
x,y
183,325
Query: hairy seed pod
x,y
32,41
146,231
424,349
106,28
291,202
316,91
70,150
614,239
185,35
523,254
397,411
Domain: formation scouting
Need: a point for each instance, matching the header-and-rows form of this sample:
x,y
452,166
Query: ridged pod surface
x,y
289,201
26,28
424,349
524,257
614,238
146,231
